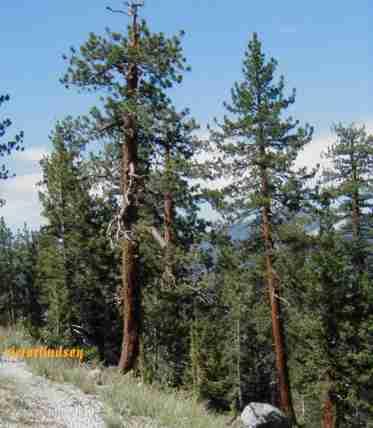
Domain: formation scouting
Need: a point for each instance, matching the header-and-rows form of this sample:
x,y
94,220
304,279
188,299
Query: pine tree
x,y
14,144
350,179
316,265
56,264
165,306
8,147
8,294
25,255
136,70
174,133
19,294
315,269
350,182
258,151
76,266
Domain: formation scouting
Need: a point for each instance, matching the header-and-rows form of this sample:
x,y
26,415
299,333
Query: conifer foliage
x,y
258,148
76,268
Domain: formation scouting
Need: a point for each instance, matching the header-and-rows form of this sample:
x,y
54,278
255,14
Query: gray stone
x,y
262,415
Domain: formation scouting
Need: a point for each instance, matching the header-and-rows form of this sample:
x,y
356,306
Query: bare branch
x,y
132,8
107,126
116,229
116,11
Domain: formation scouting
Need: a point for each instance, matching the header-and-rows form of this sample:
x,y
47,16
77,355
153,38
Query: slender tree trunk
x,y
329,409
358,257
355,216
169,215
168,202
194,354
330,329
12,318
238,363
285,400
66,278
130,259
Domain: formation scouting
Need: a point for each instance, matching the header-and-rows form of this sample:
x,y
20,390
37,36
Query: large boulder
x,y
262,415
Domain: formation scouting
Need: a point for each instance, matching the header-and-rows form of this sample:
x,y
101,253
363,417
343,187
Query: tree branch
x,y
158,237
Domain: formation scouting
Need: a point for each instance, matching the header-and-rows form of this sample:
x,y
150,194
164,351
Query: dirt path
x,y
29,401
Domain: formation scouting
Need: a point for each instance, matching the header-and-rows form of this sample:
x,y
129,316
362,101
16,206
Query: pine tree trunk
x,y
168,201
358,258
329,410
12,317
168,217
355,216
130,280
238,363
194,358
331,331
169,223
285,400
130,256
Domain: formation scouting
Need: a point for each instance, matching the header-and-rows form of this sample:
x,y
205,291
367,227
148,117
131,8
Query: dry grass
x,y
14,337
127,402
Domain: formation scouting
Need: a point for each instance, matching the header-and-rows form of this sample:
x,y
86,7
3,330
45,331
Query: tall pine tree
x,y
136,69
76,268
258,148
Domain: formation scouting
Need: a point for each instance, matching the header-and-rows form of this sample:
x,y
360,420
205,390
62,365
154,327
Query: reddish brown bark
x,y
168,217
132,308
130,279
285,400
328,416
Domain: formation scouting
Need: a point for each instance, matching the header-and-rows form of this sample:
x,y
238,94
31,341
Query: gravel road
x,y
32,401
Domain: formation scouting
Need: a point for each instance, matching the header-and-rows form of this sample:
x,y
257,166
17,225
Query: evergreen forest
x,y
270,300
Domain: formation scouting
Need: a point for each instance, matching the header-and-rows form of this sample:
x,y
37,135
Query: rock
x,y
262,415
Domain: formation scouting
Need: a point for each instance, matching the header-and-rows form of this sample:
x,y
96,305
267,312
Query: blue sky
x,y
324,49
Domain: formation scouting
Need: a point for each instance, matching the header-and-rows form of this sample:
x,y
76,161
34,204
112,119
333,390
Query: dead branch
x,y
158,237
117,227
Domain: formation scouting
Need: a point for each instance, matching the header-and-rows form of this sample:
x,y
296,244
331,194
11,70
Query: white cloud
x,y
369,126
21,192
22,202
33,154
311,155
